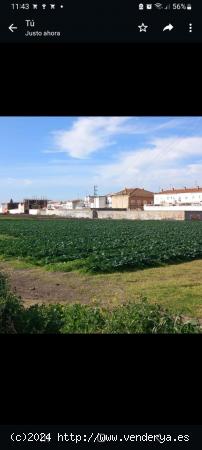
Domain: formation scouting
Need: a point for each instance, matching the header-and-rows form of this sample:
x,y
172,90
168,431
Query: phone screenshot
x,y
100,21
100,224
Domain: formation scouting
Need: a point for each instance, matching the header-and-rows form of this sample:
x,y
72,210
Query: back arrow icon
x,y
168,27
12,28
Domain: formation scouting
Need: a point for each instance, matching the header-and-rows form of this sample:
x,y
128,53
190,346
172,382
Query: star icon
x,y
143,27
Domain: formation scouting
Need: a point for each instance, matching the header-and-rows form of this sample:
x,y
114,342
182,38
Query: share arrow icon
x,y
168,27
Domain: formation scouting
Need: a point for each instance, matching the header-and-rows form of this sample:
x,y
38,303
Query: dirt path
x,y
37,285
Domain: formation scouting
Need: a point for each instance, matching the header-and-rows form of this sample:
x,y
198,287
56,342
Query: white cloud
x,y
157,162
166,162
15,182
89,134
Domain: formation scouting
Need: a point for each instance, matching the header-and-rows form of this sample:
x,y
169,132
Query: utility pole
x,y
95,190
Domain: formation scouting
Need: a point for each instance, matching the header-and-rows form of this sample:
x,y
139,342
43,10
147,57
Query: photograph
x,y
100,224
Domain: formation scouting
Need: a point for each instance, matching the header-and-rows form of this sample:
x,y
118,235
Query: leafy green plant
x,y
12,314
44,319
83,319
101,245
143,317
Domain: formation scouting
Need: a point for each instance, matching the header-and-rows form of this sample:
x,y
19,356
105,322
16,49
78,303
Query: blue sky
x,y
64,157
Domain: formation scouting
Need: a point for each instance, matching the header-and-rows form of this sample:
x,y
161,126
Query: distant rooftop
x,y
129,191
180,191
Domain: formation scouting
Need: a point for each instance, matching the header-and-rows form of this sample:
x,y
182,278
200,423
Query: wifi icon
x,y
159,5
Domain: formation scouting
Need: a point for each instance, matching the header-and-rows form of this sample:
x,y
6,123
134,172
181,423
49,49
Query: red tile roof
x,y
180,191
131,191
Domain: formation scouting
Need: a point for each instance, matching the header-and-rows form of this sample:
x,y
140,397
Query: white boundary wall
x,y
173,208
83,213
34,212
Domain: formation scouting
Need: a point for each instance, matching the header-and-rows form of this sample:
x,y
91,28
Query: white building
x,y
53,204
19,210
89,201
76,204
109,200
65,204
9,208
184,196
100,201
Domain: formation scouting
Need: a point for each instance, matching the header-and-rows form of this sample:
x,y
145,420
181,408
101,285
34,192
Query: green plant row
x,y
102,245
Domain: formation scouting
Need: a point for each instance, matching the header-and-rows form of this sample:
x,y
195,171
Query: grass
x,y
177,287
17,263
68,266
6,236
26,263
141,317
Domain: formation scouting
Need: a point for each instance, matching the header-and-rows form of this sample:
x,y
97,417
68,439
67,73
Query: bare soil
x,y
37,285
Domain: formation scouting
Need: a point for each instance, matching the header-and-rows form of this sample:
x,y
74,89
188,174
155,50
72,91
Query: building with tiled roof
x,y
179,196
132,198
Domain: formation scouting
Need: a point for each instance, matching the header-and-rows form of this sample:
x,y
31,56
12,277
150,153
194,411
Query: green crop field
x,y
100,246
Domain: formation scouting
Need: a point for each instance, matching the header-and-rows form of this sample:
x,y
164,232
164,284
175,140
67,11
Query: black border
x,y
80,379
115,379
100,79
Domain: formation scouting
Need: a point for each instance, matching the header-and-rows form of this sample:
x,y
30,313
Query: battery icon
x,y
189,6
